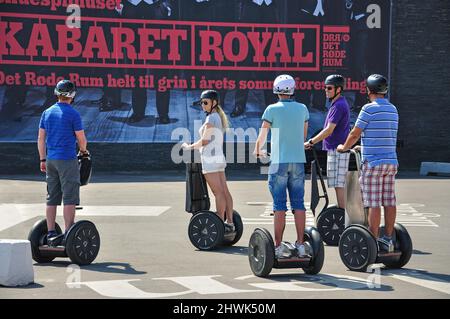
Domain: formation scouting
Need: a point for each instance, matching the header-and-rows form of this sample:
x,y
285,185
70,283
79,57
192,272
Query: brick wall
x,y
421,79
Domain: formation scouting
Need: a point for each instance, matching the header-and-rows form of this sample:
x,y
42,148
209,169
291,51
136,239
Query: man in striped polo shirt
x,y
377,124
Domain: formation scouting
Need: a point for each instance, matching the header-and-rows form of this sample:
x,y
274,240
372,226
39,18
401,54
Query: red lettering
x,y
123,39
228,46
279,45
8,38
174,36
146,44
259,46
64,41
208,46
298,50
40,38
96,40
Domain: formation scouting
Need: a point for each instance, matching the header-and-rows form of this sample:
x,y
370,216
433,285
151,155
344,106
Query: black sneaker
x,y
55,241
229,228
386,245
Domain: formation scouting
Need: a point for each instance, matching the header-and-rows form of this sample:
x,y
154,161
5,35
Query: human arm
x,y
42,150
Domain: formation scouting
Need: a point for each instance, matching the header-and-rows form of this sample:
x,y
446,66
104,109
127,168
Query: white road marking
x,y
13,214
420,279
407,215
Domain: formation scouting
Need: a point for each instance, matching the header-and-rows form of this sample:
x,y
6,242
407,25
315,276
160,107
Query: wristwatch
x,y
43,160
311,141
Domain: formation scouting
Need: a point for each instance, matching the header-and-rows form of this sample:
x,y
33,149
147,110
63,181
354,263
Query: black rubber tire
x,y
38,237
206,230
261,252
403,243
357,248
82,243
312,236
328,219
239,226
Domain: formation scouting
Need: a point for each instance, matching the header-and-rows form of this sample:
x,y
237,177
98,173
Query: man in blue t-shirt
x,y
60,129
288,122
377,124
335,131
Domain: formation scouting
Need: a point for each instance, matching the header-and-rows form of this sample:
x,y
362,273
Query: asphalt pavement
x,y
146,253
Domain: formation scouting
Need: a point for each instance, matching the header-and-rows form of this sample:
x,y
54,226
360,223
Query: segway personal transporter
x,y
81,243
330,221
358,248
261,253
206,229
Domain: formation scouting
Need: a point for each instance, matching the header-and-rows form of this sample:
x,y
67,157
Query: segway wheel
x,y
330,224
312,236
403,243
357,248
261,252
206,230
239,226
38,237
82,243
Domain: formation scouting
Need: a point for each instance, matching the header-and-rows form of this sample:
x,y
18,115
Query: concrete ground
x,y
146,253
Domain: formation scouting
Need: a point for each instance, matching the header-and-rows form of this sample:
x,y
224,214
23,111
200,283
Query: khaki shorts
x,y
63,182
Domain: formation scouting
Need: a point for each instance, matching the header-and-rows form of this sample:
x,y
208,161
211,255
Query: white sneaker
x,y
300,249
280,252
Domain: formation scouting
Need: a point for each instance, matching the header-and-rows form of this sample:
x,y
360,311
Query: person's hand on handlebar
x,y
186,146
260,153
83,153
341,148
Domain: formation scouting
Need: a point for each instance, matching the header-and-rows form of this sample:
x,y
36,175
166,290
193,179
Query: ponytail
x,y
223,117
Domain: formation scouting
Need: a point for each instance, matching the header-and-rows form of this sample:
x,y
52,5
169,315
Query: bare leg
x,y
214,182
279,224
340,195
374,220
390,214
50,212
300,220
69,216
229,199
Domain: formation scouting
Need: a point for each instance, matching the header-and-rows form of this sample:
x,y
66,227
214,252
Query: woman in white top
x,y
213,160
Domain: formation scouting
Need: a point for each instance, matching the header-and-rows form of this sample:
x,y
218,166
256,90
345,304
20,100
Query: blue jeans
x,y
290,176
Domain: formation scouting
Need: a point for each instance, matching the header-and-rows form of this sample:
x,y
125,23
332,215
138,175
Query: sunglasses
x,y
329,88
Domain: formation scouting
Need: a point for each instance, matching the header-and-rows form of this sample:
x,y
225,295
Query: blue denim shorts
x,y
290,177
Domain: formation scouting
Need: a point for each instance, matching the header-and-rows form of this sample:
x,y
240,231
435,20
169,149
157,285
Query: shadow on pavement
x,y
106,267
233,250
417,273
419,252
30,286
328,281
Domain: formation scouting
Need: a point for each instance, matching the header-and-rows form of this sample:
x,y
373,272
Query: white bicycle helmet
x,y
284,84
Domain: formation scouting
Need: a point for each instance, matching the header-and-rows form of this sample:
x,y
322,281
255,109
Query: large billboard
x,y
139,64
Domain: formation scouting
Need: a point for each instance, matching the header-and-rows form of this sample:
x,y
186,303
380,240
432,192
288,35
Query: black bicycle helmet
x,y
378,84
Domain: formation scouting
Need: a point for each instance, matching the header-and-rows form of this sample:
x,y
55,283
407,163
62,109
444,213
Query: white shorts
x,y
213,164
337,168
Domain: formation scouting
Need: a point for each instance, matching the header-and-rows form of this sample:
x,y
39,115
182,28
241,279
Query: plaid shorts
x,y
378,185
337,167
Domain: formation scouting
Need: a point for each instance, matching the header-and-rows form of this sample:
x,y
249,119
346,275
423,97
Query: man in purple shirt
x,y
336,129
